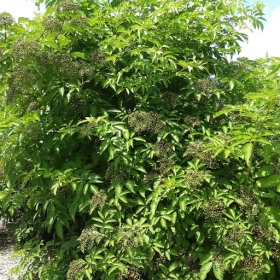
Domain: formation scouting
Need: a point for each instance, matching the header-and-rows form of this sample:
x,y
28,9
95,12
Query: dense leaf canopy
x,y
131,148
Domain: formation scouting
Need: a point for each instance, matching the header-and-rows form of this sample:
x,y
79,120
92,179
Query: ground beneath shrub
x,y
6,260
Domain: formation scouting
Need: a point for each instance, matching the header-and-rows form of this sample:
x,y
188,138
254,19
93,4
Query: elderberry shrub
x,y
160,260
65,66
163,169
47,61
165,165
74,107
162,229
224,137
193,265
236,118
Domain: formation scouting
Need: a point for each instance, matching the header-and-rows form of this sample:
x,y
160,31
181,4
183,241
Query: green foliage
x,y
131,148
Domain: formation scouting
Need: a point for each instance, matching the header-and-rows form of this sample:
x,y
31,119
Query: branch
x,y
4,59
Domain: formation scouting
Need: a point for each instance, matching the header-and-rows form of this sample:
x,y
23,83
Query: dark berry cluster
x,y
32,132
253,265
145,121
235,117
62,63
51,24
165,165
3,163
67,5
98,57
162,149
21,80
192,121
76,269
264,232
195,150
160,260
47,60
224,137
25,51
213,209
89,237
276,164
10,96
218,259
205,86
87,129
29,51
170,98
234,236
275,249
131,45
6,19
193,266
130,273
249,204
98,200
194,179
129,238
241,65
79,21
32,106
116,175
65,66
84,69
